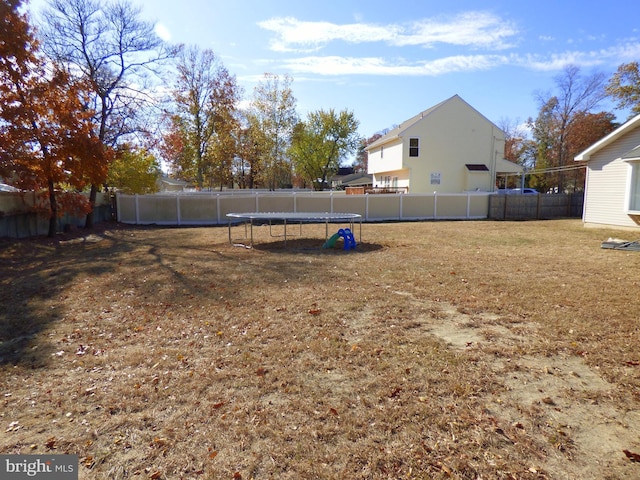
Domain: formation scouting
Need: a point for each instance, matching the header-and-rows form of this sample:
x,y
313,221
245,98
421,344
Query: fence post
x,y
366,207
468,205
218,208
504,212
435,205
257,203
117,207
179,219
137,209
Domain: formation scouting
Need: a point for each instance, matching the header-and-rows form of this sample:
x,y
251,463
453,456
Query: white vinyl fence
x,y
211,208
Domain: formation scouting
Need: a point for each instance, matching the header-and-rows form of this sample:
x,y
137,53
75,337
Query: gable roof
x,y
399,130
609,139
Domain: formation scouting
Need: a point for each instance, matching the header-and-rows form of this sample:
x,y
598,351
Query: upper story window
x,y
414,147
381,152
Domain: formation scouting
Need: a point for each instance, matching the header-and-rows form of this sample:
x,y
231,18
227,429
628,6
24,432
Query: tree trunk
x,y
53,211
89,220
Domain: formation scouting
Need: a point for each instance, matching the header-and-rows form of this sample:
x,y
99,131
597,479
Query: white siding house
x,y
448,148
612,189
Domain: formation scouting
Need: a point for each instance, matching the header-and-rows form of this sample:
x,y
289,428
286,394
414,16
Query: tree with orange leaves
x,y
46,137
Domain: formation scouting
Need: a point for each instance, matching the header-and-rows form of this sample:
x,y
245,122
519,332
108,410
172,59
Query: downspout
x,y
493,160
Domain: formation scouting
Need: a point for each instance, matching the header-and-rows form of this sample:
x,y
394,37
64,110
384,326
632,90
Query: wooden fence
x,y
539,207
19,217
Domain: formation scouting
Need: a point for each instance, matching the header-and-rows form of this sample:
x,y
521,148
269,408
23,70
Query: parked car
x,y
518,191
8,188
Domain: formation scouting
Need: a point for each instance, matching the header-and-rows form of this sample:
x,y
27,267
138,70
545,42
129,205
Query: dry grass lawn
x,y
468,350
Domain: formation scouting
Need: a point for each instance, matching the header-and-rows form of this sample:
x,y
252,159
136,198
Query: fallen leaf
x,y
315,311
261,372
216,406
395,393
155,475
213,455
50,443
333,411
158,442
237,476
634,457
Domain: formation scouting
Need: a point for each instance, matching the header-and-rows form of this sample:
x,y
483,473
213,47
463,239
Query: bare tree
x,y
518,145
109,45
577,95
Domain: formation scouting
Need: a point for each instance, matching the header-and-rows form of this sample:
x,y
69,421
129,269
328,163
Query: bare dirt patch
x,y
435,350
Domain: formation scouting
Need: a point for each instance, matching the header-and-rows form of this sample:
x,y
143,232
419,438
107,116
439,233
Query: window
x,y
381,152
414,147
634,193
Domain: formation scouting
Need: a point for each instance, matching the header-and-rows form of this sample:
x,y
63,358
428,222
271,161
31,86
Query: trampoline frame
x,y
287,217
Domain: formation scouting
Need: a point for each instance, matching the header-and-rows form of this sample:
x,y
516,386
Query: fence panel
x,y
198,210
418,207
235,203
162,210
527,207
312,203
452,206
207,209
384,207
342,203
18,219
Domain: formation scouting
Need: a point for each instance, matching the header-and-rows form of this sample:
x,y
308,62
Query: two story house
x,y
448,148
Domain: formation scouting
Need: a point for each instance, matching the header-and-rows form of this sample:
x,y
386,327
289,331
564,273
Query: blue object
x,y
346,235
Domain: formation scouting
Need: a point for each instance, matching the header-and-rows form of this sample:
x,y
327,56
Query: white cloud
x,y
163,32
334,65
475,29
296,35
591,58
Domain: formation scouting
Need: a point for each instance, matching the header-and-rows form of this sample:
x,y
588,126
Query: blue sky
x,y
388,60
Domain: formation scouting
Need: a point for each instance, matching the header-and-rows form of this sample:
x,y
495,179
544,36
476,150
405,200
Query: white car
x,y
8,188
518,191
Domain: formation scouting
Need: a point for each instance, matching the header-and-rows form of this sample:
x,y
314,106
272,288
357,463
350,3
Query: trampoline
x,y
248,218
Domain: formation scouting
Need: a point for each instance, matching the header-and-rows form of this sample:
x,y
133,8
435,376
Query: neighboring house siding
x,y
395,179
451,135
607,180
391,160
